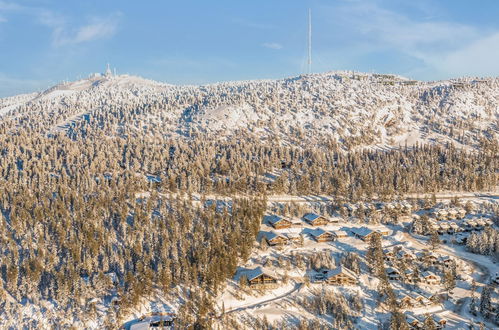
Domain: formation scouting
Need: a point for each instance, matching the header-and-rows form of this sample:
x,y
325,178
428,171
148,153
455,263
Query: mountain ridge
x,y
348,108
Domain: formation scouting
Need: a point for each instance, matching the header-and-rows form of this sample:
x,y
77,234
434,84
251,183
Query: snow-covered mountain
x,y
353,110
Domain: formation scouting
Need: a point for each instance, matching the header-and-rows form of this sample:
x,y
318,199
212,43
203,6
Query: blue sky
x,y
193,42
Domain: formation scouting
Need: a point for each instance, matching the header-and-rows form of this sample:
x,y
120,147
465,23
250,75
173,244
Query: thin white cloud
x,y
97,28
445,48
64,32
272,45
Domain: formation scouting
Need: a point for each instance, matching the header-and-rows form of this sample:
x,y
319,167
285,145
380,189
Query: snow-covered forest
x,y
97,178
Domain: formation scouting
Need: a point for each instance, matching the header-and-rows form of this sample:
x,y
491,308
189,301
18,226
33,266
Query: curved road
x,y
297,287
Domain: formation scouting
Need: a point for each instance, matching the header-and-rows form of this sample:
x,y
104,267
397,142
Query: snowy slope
x,y
354,110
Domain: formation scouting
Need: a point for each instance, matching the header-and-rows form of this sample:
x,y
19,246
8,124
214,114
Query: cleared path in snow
x,y
297,287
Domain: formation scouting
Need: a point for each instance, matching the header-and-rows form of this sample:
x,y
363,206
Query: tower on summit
x,y
108,72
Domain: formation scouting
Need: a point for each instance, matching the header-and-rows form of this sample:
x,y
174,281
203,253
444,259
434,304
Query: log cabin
x,y
321,235
278,222
341,276
315,219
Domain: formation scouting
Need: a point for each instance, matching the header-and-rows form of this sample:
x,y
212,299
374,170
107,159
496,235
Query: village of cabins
x,y
416,272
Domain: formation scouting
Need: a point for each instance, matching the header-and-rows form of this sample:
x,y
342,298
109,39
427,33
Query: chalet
x,y
428,298
427,257
393,274
365,233
315,219
259,279
321,235
341,276
273,238
447,261
418,299
461,213
278,222
406,255
340,234
413,321
294,238
388,254
405,301
440,322
430,278
409,276
335,219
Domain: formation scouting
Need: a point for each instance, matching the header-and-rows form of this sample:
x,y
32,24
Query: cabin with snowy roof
x,y
273,238
315,219
340,276
430,278
260,279
278,222
393,274
320,235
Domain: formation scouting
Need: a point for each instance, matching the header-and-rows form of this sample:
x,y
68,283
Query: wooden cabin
x,y
341,276
321,235
340,234
430,278
362,233
405,301
278,222
393,274
388,254
315,219
259,279
406,255
273,238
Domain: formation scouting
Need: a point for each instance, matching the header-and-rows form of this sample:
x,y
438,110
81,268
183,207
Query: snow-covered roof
x,y
311,216
362,231
318,232
270,235
273,219
429,274
340,270
251,274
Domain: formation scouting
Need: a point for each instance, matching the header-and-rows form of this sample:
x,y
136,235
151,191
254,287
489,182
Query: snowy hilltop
x,y
347,109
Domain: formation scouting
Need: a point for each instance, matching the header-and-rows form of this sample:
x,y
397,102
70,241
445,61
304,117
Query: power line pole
x,y
309,41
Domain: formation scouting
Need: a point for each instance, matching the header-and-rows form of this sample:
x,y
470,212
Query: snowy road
x,y
262,303
463,305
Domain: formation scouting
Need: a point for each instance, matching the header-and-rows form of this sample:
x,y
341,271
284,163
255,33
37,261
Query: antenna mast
x,y
309,41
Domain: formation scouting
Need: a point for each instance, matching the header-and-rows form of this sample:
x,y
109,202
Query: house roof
x,y
428,273
340,270
318,232
391,270
273,219
311,216
269,235
362,231
251,274
340,232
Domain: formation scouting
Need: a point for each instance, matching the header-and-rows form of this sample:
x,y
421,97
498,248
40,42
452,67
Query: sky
x,y
43,42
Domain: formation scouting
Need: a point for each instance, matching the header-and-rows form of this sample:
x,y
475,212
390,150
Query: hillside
x,y
352,111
